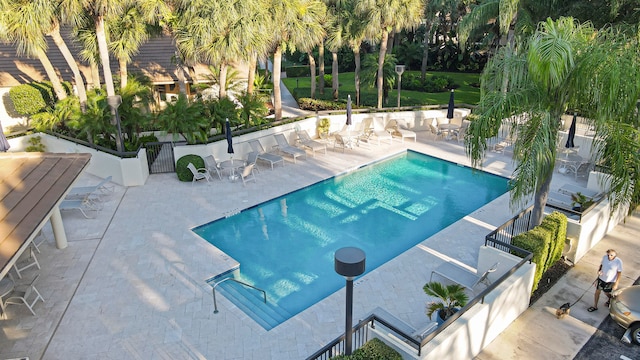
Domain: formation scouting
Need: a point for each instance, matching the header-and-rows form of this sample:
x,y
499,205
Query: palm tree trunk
x,y
383,51
51,73
223,81
391,42
540,200
356,75
425,55
277,97
334,75
321,67
312,70
123,73
95,74
104,54
251,76
77,76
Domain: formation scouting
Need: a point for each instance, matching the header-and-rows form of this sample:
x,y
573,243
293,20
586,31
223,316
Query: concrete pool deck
x,y
130,285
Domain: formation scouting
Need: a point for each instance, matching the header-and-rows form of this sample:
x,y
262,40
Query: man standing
x,y
608,277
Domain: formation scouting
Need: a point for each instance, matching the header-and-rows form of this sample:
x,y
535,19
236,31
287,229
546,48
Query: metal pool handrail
x,y
215,304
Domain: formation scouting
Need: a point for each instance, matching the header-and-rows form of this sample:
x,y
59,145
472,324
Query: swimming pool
x,y
286,245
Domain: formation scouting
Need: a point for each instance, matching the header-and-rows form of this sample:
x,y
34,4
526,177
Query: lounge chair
x,y
374,130
342,142
212,165
247,174
23,295
283,146
569,189
306,141
84,206
463,276
398,129
272,159
198,174
102,188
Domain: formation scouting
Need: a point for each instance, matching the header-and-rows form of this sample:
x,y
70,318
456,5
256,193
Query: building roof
x,y
154,60
31,185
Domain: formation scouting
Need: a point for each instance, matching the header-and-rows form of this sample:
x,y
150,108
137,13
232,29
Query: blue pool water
x,y
286,245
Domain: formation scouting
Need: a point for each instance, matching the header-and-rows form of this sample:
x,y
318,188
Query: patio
x,y
131,285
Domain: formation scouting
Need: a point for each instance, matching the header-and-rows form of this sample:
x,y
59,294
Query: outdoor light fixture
x,y
114,102
349,262
399,71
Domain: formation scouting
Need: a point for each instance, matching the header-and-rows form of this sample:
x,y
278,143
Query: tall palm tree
x,y
562,64
297,23
25,23
385,16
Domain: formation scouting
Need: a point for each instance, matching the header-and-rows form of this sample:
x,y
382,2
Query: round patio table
x,y
6,286
232,165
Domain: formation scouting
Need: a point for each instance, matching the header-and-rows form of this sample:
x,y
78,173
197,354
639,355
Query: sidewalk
x,y
538,334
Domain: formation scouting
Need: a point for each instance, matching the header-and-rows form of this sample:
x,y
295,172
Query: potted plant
x,y
323,128
580,201
452,297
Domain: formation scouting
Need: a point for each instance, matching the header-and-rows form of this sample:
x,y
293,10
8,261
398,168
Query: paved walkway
x,y
538,334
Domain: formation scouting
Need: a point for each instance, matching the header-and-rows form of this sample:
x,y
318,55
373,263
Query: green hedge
x,y
374,349
36,97
319,105
536,241
185,174
546,242
298,71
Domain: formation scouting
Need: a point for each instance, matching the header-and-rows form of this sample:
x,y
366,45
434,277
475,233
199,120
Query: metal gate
x,y
160,157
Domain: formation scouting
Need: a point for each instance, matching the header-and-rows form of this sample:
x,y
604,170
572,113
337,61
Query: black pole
x,y
348,323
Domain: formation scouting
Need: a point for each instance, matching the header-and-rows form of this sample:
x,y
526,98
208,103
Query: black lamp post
x,y
349,262
114,102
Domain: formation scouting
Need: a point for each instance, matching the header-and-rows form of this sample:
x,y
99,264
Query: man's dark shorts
x,y
605,286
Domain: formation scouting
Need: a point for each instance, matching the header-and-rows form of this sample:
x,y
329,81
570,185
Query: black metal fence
x,y
160,157
505,232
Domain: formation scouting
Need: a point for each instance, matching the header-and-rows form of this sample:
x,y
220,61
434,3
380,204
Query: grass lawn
x,y
465,93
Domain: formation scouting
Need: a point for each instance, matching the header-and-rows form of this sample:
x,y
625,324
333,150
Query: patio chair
x,y
212,165
198,174
23,295
399,129
437,134
341,142
38,240
462,131
306,141
252,158
247,174
283,146
25,262
102,188
84,206
271,158
580,169
379,133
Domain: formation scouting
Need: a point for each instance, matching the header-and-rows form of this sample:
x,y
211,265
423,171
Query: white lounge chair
x,y
306,141
570,189
198,174
399,129
212,165
285,147
102,188
373,129
84,206
462,276
265,156
23,295
342,142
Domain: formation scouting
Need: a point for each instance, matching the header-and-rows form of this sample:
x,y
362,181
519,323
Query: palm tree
x,y
185,118
564,63
452,297
25,23
385,16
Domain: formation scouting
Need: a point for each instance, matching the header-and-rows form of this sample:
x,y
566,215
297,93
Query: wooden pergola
x,y
32,185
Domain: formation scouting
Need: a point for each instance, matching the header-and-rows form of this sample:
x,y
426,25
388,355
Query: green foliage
x,y
32,98
328,79
556,222
253,109
536,241
184,174
451,296
65,111
298,71
185,118
374,349
35,145
220,110
432,84
148,139
318,105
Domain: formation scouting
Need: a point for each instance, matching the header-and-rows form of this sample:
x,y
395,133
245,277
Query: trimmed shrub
x,y
183,173
318,105
327,80
537,242
556,223
374,349
298,71
28,99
